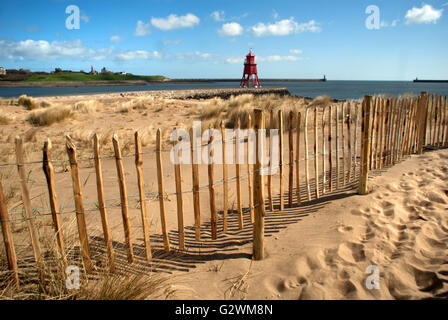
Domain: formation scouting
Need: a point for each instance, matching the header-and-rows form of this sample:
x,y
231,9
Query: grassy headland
x,y
79,76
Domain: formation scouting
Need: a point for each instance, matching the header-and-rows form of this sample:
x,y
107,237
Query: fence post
x,y
102,202
123,197
299,119
195,179
271,127
179,199
211,184
324,160
365,144
280,156
307,171
161,187
224,178
79,205
291,158
330,147
249,169
141,193
49,175
238,174
8,239
27,207
258,229
422,120
316,155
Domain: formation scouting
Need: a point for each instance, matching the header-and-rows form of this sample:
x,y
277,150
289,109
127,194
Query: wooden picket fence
x,y
340,143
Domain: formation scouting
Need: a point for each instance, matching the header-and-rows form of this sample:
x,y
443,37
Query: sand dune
x,y
401,227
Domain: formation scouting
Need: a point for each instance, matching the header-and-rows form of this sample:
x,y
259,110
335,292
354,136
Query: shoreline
x,y
49,84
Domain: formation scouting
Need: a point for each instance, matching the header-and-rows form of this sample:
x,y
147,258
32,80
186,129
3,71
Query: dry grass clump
x,y
5,119
142,103
89,106
28,102
321,101
48,116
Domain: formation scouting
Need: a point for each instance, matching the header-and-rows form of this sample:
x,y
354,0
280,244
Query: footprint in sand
x,y
351,252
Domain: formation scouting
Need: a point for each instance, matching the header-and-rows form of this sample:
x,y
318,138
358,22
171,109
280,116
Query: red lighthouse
x,y
250,72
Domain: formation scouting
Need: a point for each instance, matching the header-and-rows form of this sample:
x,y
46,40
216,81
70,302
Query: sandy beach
x,y
318,250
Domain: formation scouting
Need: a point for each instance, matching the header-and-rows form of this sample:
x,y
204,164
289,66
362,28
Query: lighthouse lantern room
x,y
250,72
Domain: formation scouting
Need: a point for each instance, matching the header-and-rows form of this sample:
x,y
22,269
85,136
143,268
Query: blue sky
x,y
196,39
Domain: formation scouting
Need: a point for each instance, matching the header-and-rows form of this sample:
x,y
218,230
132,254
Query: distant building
x,y
105,71
2,71
93,71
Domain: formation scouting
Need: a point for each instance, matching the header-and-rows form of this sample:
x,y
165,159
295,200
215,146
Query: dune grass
x,y
48,116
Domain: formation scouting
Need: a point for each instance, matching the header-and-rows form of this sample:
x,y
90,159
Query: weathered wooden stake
x,y
258,230
307,171
211,185
271,127
238,174
249,168
8,240
365,144
161,186
280,151
79,205
179,199
324,161
291,158
225,178
123,197
299,128
330,147
47,167
316,155
102,202
28,208
337,148
141,193
422,120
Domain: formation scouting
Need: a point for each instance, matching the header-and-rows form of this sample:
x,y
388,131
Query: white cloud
x,y
385,24
138,54
142,29
231,29
167,42
85,17
425,14
284,27
116,39
218,16
273,58
175,22
296,51
277,58
234,60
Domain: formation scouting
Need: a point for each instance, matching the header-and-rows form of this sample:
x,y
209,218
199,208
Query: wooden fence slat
x,y
224,177
316,155
440,122
249,169
291,158
343,142
161,187
141,194
238,174
102,202
280,152
337,148
365,144
330,147
79,205
307,171
422,120
211,186
258,228
8,239
355,142
445,117
324,164
179,199
123,197
271,127
195,179
350,175
47,167
28,208
299,128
